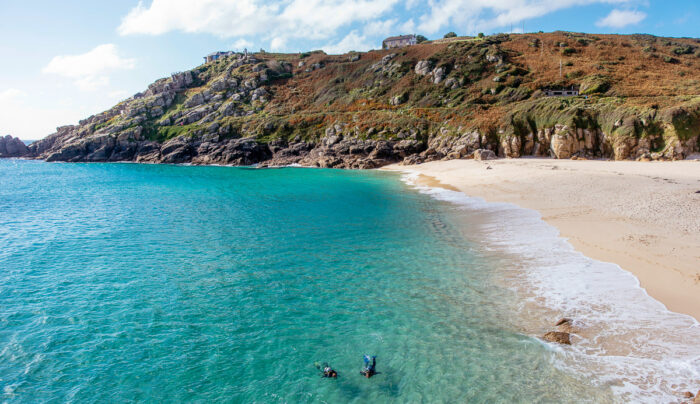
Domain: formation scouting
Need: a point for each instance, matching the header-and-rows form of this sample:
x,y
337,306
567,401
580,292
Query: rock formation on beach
x,y
558,337
442,100
12,147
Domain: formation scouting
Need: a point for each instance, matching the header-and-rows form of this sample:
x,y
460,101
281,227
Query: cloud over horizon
x,y
90,70
338,25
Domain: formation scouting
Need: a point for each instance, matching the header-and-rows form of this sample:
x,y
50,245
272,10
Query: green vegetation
x,y
594,84
450,35
489,83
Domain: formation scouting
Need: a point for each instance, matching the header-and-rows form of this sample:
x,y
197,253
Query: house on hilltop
x,y
216,56
399,41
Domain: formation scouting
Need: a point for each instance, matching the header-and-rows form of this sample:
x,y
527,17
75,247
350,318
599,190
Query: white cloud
x,y
352,41
308,19
621,18
90,70
11,94
278,43
242,44
482,15
280,22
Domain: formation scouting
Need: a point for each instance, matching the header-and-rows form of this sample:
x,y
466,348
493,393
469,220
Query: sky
x,y
63,61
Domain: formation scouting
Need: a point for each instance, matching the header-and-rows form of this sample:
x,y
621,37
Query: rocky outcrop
x,y
438,101
12,147
558,337
484,154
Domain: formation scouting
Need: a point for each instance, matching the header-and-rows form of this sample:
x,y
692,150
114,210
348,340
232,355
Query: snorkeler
x,y
370,368
327,370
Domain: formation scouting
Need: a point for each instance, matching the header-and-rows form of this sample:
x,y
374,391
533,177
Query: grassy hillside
x,y
640,97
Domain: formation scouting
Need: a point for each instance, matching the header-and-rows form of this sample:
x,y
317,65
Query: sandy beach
x,y
645,217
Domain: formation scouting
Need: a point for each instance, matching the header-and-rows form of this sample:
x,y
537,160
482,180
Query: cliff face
x,y
438,100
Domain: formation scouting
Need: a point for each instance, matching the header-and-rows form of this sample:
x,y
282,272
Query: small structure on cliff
x,y
561,92
217,55
399,41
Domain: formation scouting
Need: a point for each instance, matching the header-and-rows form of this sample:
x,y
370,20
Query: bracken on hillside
x,y
639,99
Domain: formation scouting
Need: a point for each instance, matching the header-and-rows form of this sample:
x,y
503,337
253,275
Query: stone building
x,y
563,92
399,41
216,55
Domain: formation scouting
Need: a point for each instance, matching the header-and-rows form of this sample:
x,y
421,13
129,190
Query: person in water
x,y
327,370
370,366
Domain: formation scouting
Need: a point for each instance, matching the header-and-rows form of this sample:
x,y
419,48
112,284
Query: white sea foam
x,y
626,339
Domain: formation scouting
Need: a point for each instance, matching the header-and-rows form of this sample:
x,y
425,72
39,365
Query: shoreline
x,y
644,217
622,336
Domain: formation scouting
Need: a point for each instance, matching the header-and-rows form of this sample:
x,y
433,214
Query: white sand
x,y
643,216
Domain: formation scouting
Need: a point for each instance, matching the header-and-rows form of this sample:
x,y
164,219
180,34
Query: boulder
x,y
566,325
484,154
438,75
558,337
423,68
411,160
12,147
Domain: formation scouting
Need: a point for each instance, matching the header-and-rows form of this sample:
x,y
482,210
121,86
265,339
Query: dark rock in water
x,y
566,325
12,147
558,337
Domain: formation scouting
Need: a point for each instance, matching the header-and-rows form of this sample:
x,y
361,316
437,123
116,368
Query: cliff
x,y
439,100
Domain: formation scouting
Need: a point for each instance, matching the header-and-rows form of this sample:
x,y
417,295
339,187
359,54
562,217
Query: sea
x,y
171,283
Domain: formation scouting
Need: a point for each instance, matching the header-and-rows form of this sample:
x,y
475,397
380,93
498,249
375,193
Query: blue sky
x,y
63,61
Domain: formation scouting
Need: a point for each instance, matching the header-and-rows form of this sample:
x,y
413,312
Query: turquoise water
x,y
125,282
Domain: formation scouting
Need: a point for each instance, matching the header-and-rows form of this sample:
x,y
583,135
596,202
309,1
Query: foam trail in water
x,y
624,338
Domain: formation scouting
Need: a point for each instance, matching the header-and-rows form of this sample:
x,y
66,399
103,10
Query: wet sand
x,y
645,217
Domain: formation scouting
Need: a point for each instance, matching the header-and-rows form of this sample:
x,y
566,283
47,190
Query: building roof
x,y
396,38
220,53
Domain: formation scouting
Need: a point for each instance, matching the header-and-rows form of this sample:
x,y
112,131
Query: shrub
x,y
669,59
420,38
481,35
450,35
683,50
595,83
568,51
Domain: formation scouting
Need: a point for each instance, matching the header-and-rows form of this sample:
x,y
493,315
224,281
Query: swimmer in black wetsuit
x,y
370,368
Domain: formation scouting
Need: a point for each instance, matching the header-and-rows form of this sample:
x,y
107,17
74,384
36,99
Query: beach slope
x,y
644,217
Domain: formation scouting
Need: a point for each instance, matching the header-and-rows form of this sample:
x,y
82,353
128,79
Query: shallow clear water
x,y
123,282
